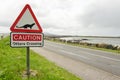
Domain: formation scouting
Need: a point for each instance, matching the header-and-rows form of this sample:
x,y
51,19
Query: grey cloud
x,y
101,15
48,25
94,17
5,24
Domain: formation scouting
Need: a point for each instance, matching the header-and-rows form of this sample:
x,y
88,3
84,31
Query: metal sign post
x,y
26,32
28,61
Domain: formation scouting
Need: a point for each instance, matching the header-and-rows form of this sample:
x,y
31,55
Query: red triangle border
x,y
27,6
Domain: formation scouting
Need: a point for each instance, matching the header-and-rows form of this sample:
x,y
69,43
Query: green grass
x,y
102,49
13,63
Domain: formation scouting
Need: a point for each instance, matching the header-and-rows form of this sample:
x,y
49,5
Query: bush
x,y
115,47
109,46
118,48
102,45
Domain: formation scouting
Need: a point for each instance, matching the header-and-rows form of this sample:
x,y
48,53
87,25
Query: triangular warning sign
x,y
26,21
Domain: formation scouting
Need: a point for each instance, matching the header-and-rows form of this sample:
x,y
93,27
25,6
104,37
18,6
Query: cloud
x,y
77,17
102,16
4,29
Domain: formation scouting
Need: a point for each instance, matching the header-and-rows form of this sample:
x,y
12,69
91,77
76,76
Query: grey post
x,y
28,61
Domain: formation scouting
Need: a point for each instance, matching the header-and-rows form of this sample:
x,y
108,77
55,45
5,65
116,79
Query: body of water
x,y
113,41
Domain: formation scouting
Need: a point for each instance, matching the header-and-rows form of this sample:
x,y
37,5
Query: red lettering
x,y
26,37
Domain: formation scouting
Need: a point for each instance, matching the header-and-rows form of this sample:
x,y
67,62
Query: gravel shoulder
x,y
78,68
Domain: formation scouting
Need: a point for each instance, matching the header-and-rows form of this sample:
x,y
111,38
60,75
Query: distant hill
x,y
58,36
55,35
50,35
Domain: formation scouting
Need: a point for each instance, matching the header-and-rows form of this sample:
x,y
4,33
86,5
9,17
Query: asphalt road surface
x,y
106,61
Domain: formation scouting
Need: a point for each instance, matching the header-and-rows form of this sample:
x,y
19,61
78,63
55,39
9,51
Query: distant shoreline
x,y
59,36
92,36
98,46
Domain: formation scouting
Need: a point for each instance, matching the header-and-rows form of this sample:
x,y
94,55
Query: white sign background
x,y
27,19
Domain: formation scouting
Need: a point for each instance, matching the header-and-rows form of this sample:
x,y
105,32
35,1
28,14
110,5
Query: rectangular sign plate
x,y
26,39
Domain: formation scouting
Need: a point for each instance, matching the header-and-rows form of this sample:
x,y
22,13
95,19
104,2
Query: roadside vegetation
x,y
97,46
13,65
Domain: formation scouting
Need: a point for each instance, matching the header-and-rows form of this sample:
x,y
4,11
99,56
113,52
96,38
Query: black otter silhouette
x,y
27,26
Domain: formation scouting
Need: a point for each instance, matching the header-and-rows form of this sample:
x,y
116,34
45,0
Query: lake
x,y
113,41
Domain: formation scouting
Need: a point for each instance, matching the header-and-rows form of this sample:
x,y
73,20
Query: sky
x,y
67,17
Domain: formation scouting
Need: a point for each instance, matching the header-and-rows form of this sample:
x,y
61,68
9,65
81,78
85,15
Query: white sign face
x,y
27,40
27,19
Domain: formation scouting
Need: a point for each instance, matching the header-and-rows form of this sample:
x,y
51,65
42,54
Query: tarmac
x,y
80,69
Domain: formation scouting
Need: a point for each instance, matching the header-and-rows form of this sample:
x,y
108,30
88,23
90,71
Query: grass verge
x,y
13,64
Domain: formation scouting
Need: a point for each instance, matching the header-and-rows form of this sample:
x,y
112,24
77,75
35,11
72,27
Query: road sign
x,y
30,33
26,39
26,21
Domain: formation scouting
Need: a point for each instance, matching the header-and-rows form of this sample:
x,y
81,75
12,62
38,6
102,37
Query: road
x,y
106,61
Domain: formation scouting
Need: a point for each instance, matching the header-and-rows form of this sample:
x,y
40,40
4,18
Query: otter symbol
x,y
27,26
